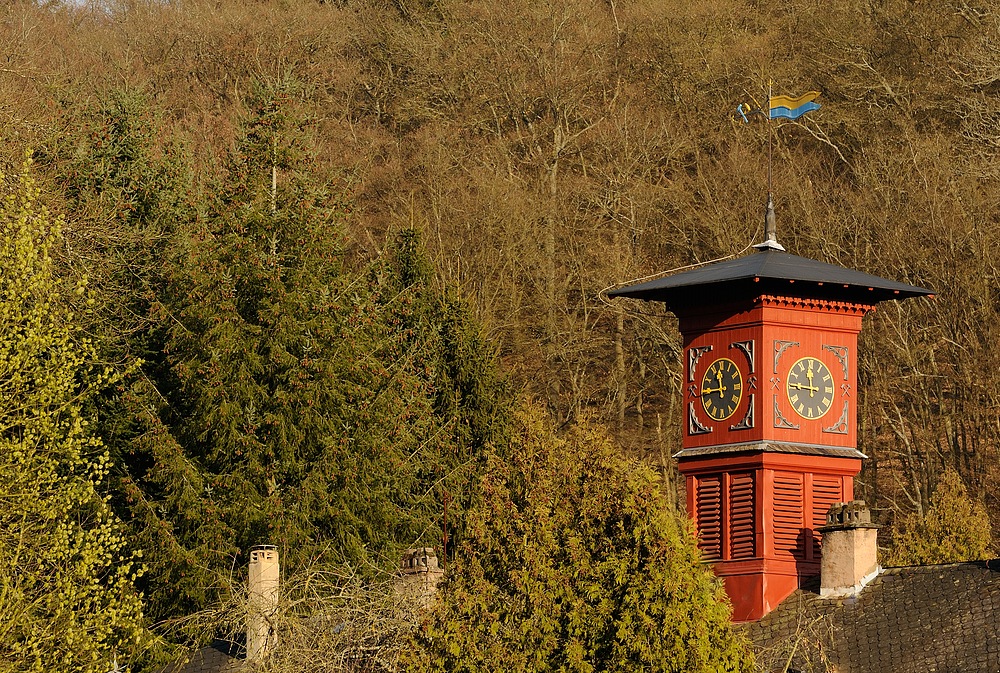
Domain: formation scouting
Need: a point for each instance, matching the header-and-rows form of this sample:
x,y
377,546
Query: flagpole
x,y
770,133
788,108
770,227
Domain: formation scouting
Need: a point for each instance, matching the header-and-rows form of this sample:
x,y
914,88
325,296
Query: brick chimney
x,y
850,552
262,634
420,574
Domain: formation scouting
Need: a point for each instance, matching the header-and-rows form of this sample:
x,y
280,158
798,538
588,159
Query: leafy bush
x,y
574,561
954,528
67,601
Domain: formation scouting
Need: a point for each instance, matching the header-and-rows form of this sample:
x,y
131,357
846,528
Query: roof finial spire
x,y
770,229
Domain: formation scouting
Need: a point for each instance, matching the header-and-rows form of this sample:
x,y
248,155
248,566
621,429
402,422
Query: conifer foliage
x,y
66,577
297,401
126,194
573,561
954,528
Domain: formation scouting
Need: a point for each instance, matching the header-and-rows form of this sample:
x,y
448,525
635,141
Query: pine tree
x,y
252,376
128,191
127,188
471,400
303,403
66,574
573,561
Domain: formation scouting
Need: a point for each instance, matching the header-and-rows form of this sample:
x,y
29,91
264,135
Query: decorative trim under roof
x,y
769,447
827,305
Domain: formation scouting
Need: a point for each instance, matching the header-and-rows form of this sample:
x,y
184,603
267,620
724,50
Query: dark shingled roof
x,y
770,271
943,618
219,657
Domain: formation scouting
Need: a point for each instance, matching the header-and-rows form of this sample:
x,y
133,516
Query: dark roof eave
x,y
686,295
771,271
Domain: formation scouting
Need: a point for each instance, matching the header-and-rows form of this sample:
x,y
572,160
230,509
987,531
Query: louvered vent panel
x,y
710,516
741,520
826,491
788,523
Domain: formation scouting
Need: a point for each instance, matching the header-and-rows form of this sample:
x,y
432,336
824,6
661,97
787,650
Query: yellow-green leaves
x,y
574,561
66,596
954,528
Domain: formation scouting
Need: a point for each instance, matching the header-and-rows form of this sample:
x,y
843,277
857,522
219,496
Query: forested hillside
x,y
424,203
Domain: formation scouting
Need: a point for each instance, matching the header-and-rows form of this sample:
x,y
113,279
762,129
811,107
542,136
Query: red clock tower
x,y
770,397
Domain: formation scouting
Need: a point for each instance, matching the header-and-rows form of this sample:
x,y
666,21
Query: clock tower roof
x,y
769,271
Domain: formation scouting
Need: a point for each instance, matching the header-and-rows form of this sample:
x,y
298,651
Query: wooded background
x,y
545,152
551,150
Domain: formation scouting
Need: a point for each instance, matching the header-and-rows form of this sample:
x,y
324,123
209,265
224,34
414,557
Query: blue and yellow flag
x,y
792,108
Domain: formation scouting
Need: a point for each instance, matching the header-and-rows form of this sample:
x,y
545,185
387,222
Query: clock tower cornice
x,y
813,304
775,310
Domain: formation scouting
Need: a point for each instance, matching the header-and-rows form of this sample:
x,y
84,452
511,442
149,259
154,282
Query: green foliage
x,y
573,561
555,149
127,189
954,528
295,401
67,601
108,159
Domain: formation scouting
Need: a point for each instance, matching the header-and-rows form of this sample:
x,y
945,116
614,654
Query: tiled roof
x,y
943,618
219,657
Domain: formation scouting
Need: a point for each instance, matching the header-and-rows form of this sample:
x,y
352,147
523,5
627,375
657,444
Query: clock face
x,y
721,389
810,388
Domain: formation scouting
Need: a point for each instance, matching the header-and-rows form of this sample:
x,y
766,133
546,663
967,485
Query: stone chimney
x,y
420,574
262,634
850,552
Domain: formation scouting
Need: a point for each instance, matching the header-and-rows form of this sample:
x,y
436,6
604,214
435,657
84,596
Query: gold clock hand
x,y
809,375
721,389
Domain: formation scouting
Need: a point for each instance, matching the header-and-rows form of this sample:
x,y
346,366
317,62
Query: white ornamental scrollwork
x,y
694,425
779,419
779,348
840,352
840,427
694,354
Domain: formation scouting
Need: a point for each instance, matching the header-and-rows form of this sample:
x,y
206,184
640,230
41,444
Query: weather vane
x,y
778,107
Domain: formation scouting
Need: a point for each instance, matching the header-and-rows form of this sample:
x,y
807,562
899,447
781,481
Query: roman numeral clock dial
x,y
810,388
721,389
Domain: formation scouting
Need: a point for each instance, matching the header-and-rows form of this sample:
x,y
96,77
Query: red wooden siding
x,y
788,515
709,516
742,535
826,491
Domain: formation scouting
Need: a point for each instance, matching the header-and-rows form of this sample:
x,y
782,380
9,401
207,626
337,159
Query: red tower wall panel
x,y
757,515
764,339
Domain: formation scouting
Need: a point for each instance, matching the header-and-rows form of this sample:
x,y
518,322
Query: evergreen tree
x,y
954,528
128,192
127,189
470,397
303,404
573,561
66,575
